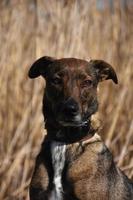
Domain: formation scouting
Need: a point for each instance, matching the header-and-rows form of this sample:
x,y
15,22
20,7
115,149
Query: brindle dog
x,y
74,164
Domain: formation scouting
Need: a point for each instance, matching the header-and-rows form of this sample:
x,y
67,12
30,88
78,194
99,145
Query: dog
x,y
74,163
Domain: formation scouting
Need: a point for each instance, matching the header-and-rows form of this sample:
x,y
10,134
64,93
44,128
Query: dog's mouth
x,y
77,121
73,123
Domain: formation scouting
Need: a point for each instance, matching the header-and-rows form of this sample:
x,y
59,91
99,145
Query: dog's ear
x,y
104,70
40,67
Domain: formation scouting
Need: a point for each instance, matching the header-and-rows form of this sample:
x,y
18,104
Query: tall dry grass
x,y
30,29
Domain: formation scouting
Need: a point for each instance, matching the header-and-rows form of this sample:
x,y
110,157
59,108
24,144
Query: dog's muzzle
x,y
68,114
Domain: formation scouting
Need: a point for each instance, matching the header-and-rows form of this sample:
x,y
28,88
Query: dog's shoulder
x,y
40,175
93,148
40,178
90,157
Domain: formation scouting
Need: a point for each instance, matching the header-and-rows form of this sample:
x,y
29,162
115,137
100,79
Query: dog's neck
x,y
56,132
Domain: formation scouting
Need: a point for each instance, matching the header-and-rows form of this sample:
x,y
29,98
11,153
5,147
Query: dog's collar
x,y
94,138
87,137
83,142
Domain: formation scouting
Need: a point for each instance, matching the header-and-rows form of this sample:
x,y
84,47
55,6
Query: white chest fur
x,y
58,150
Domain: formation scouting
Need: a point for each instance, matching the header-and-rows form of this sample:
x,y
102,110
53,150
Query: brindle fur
x,y
90,172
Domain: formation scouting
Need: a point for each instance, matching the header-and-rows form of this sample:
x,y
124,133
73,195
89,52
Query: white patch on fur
x,y
58,150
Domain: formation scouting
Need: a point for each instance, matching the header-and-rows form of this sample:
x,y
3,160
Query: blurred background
x,y
29,29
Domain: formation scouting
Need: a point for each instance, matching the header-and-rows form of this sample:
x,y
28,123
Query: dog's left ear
x,y
40,67
104,70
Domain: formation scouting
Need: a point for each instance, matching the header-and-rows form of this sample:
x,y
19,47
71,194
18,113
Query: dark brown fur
x,y
69,102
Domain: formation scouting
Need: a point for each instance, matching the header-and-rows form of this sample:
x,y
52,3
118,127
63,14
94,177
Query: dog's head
x,y
71,87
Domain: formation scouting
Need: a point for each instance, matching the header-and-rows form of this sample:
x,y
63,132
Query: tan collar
x,y
94,138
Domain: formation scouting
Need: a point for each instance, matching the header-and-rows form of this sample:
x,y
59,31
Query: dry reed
x,y
30,29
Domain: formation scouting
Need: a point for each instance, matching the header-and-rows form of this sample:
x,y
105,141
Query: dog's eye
x,y
56,80
87,83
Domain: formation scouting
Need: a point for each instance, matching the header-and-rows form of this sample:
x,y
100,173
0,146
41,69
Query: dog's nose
x,y
71,108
